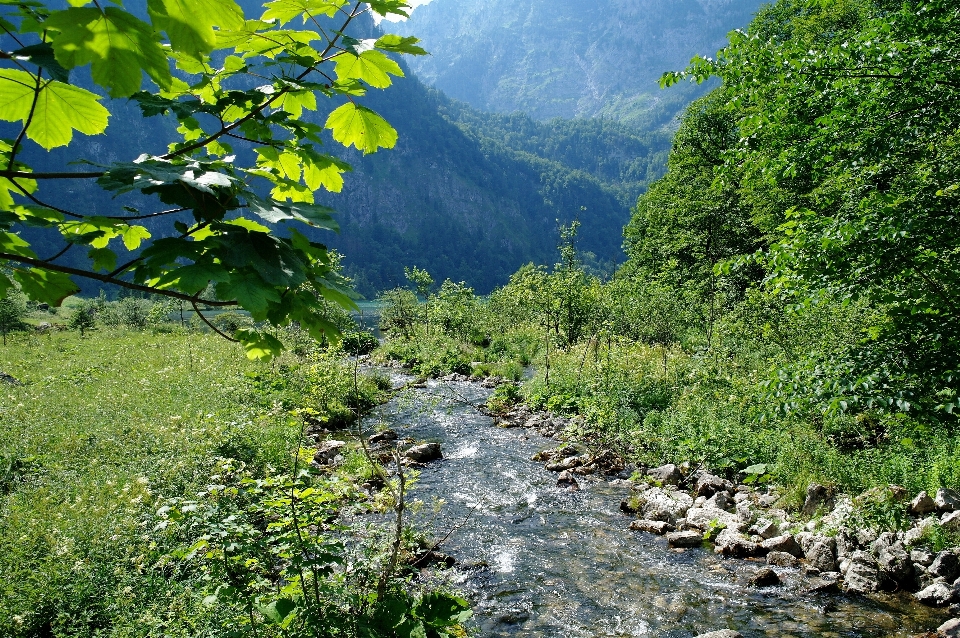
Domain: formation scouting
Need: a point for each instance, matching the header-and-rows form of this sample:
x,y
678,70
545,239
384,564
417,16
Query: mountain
x,y
568,58
469,196
472,196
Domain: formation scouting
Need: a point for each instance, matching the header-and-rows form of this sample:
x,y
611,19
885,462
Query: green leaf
x,y
250,291
190,23
103,259
399,44
45,286
117,45
42,55
193,278
275,212
133,236
259,345
12,244
373,67
358,126
287,10
279,609
439,610
60,108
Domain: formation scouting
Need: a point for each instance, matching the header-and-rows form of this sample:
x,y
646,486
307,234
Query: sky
x,y
412,3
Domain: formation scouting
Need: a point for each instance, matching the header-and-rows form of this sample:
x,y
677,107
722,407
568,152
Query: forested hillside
x,y
551,58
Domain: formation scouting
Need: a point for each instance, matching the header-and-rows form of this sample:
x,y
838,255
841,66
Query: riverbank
x,y
538,559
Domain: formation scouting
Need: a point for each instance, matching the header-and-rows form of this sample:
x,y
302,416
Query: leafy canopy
x,y
230,80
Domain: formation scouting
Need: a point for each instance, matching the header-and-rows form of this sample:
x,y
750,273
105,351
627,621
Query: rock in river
x,y
684,539
764,577
723,633
424,453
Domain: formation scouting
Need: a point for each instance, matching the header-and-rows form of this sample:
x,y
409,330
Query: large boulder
x,y
702,517
818,497
668,474
764,577
895,565
937,595
567,480
328,451
946,565
424,453
720,501
821,554
922,504
658,504
709,484
862,573
951,521
731,543
947,500
380,437
786,544
782,559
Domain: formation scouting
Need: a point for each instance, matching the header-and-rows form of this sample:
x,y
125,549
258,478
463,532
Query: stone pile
x,y
744,523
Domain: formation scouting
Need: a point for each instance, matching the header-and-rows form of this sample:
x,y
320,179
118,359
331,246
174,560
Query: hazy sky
x,y
412,3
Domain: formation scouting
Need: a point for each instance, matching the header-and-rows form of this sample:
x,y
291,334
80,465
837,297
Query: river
x,y
540,561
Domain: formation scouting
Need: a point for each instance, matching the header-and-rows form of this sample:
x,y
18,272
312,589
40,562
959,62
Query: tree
x,y
851,111
13,310
84,317
229,81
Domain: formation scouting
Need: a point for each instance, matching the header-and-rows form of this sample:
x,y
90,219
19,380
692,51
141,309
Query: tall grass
x,y
101,430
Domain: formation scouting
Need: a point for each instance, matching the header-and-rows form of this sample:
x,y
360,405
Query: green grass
x,y
102,429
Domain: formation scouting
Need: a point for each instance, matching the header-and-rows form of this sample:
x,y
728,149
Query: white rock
x,y
922,504
701,517
951,521
936,595
950,629
947,500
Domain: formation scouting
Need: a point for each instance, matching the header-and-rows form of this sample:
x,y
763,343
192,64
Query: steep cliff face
x,y
567,58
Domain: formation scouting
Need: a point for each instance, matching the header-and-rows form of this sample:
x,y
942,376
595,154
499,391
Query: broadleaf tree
x,y
229,80
848,111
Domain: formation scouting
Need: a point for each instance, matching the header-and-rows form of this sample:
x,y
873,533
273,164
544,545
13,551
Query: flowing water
x,y
540,561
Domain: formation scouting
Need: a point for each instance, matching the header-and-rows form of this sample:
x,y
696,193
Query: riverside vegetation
x,y
156,482
787,314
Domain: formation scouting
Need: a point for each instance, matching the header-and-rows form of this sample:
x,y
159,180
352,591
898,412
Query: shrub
x,y
360,343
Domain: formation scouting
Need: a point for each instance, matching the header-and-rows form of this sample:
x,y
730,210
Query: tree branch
x,y
67,270
36,201
9,174
212,327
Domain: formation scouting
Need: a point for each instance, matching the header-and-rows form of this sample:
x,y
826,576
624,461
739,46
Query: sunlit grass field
x,y
99,430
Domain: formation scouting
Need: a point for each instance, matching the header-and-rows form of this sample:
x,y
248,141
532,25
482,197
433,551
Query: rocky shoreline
x,y
695,508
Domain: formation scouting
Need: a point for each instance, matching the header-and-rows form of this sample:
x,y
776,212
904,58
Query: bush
x,y
129,312
230,321
84,317
13,311
360,343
